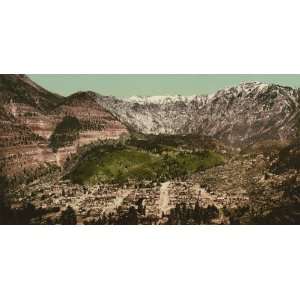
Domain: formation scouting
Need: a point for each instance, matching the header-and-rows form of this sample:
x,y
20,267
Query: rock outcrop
x,y
33,130
29,115
95,123
241,115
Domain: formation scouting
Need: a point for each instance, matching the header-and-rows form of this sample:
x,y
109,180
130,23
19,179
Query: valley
x,y
237,192
227,158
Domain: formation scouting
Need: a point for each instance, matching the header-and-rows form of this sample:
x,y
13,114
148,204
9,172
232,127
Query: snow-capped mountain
x,y
240,115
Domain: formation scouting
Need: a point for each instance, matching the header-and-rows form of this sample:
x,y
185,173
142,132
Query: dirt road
x,y
118,201
164,197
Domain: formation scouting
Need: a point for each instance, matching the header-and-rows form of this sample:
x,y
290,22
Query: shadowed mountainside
x,y
37,126
93,159
30,115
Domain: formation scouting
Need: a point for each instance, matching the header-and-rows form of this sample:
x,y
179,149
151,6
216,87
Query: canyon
x,y
231,157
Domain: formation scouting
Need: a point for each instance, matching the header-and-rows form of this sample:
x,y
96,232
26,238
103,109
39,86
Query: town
x,y
240,183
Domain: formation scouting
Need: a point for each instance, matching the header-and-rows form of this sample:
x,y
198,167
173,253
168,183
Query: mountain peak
x,y
244,114
21,89
81,94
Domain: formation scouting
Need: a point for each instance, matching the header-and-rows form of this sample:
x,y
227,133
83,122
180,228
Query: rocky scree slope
x,y
239,116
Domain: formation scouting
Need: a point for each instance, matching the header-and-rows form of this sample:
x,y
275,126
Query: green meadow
x,y
122,163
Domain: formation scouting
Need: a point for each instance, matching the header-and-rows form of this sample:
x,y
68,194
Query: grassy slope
x,y
120,163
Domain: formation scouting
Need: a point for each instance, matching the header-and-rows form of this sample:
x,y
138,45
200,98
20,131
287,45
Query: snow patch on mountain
x,y
238,115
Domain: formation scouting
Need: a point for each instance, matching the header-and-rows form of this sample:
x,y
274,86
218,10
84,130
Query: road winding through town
x,y
164,197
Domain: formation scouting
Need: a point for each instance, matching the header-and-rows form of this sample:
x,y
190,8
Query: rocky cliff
x,y
241,115
29,117
94,123
28,103
40,128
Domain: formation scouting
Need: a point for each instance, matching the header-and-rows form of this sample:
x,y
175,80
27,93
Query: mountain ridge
x,y
238,116
29,116
223,114
231,157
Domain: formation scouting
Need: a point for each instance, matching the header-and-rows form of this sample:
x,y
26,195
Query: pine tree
x,y
68,217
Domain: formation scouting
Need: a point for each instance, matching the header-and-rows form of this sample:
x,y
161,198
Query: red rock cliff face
x,y
28,103
21,149
24,126
40,123
96,123
29,115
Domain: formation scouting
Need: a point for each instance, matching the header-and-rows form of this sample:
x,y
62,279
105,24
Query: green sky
x,y
128,85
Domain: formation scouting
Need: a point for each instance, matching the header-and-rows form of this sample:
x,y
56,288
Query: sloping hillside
x,y
31,120
240,116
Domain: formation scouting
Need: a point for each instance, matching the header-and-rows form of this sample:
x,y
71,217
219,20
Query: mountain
x,y
34,125
38,128
239,116
88,122
95,121
24,125
28,103
22,90
149,160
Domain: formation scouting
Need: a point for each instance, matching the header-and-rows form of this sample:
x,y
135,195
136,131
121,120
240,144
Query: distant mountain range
x,y
39,128
240,115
